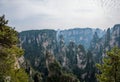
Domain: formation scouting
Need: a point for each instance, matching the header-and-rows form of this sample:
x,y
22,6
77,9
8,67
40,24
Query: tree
x,y
109,70
9,54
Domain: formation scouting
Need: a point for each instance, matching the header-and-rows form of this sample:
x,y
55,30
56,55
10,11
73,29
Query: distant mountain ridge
x,y
79,35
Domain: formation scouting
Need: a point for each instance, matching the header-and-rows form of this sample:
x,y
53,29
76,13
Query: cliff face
x,y
77,50
70,55
79,35
35,43
99,46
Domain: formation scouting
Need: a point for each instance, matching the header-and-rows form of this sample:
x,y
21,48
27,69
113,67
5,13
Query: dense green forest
x,y
37,56
10,70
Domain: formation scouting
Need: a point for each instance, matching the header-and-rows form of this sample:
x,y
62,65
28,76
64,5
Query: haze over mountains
x,y
52,14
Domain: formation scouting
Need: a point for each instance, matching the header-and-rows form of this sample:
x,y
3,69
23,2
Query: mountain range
x,y
75,50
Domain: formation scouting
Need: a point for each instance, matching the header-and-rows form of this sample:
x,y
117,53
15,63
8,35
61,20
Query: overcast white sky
x,y
60,14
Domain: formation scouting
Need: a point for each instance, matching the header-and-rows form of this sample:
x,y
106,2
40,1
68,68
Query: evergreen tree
x,y
9,54
110,69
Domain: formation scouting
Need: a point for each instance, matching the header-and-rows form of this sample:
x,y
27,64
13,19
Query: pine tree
x,y
110,69
9,54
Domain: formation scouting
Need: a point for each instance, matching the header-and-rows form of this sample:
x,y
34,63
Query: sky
x,y
60,14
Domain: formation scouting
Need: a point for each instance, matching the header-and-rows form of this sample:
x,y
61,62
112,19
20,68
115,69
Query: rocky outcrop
x,y
77,50
79,35
99,46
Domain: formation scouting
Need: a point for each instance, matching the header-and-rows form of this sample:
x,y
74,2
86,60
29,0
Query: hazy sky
x,y
60,14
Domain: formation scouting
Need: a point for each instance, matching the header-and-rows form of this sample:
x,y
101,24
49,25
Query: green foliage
x,y
55,67
8,36
3,21
110,68
9,53
18,75
69,78
62,78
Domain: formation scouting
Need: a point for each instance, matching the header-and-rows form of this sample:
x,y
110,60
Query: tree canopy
x,y
110,69
9,54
